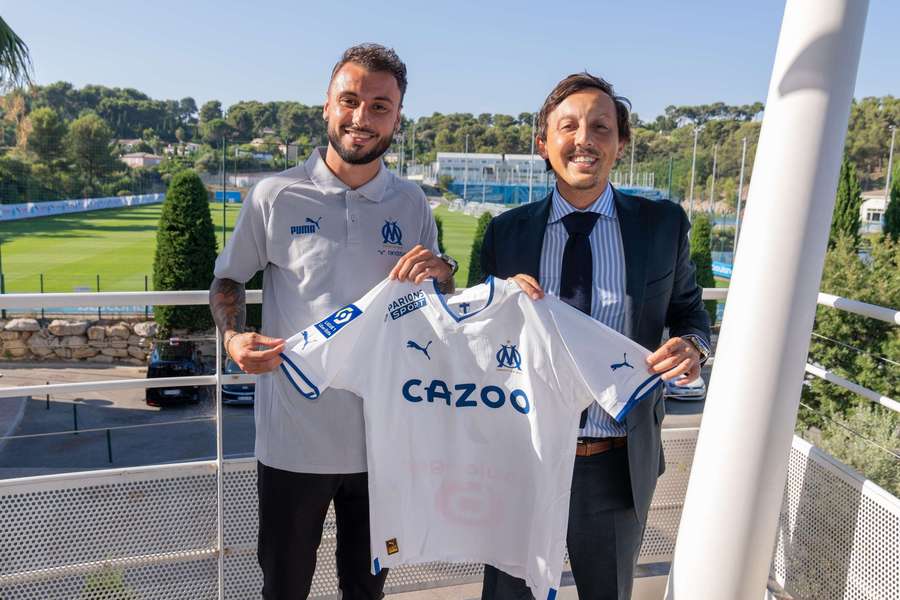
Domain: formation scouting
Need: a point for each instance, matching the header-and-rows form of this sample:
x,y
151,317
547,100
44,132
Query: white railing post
x,y
734,497
220,473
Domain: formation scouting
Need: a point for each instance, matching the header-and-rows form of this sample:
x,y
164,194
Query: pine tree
x,y
475,274
892,211
701,255
185,251
845,220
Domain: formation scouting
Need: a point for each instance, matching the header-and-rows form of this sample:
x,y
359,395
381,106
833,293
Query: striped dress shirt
x,y
608,293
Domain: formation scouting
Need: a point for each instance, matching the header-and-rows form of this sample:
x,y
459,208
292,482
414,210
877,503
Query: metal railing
x,y
888,315
217,473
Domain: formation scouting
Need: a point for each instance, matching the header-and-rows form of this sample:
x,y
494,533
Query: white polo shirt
x,y
321,246
472,404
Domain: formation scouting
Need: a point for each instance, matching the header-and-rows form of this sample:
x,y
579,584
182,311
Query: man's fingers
x,y
666,364
529,285
683,367
401,262
263,355
667,349
413,257
256,362
267,341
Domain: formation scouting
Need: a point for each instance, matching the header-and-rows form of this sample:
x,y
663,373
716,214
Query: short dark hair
x,y
375,58
578,82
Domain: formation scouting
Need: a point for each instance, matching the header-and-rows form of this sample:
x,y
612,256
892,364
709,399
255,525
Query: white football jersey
x,y
471,405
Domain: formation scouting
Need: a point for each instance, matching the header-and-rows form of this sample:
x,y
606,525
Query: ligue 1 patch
x,y
406,304
332,324
392,546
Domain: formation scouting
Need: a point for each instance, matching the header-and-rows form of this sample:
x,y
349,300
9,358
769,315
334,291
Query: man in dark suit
x,y
625,261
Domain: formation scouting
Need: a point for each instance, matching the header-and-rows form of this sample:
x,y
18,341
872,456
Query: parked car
x,y
692,390
174,358
236,393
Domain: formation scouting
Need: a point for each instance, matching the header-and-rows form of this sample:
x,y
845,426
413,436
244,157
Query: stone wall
x,y
94,341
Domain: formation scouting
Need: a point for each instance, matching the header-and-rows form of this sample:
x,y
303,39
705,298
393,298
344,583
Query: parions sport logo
x,y
391,238
404,305
310,227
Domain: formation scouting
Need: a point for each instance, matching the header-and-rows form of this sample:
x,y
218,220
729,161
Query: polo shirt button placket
x,y
352,218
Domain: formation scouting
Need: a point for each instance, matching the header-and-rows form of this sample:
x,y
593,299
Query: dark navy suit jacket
x,y
661,292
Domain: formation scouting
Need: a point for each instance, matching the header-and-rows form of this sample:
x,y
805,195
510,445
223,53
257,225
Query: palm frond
x,y
15,60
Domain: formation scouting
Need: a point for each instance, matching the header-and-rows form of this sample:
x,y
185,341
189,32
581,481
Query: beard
x,y
356,156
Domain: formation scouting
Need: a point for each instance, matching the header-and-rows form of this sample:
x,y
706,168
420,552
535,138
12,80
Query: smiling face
x,y
582,144
363,112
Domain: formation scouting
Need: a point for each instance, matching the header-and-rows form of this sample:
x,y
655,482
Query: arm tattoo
x,y
228,304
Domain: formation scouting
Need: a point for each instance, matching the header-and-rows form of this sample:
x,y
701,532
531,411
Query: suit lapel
x,y
534,226
634,230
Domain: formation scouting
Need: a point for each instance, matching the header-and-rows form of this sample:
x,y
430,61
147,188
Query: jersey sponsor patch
x,y
331,324
406,304
392,546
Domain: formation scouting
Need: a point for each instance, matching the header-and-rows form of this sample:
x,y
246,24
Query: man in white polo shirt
x,y
324,233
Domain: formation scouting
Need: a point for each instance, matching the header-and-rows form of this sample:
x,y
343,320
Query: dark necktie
x,y
577,266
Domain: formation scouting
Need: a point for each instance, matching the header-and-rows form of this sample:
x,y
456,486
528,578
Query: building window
x,y
874,215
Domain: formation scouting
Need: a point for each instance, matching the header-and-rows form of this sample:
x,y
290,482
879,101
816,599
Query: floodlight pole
x,y
2,280
531,162
224,186
740,193
693,165
414,142
712,191
466,169
631,169
734,496
671,163
887,179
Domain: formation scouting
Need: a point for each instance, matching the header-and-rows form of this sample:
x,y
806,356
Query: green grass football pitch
x,y
71,251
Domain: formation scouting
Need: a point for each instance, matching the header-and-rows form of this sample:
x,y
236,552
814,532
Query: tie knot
x,y
580,223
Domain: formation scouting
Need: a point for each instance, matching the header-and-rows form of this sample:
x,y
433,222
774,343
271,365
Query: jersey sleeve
x,y
245,253
609,368
318,357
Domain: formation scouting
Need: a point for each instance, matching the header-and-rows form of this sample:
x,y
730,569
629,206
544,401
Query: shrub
x,y
847,439
701,255
185,251
475,274
440,234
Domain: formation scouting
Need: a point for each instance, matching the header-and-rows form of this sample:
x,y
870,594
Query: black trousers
x,y
604,534
292,509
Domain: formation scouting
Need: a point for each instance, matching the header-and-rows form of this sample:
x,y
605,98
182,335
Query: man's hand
x,y
676,358
242,348
529,285
419,264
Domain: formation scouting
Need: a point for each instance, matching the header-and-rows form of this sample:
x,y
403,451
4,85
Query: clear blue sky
x,y
462,56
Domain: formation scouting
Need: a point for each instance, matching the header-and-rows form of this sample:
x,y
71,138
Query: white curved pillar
x,y
733,501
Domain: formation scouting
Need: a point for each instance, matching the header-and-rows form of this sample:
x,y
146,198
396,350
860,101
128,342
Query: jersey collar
x,y
488,288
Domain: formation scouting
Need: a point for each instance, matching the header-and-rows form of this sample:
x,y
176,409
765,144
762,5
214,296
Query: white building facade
x,y
871,214
493,168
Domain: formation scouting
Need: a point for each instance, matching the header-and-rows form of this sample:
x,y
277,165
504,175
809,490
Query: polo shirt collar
x,y
604,205
328,183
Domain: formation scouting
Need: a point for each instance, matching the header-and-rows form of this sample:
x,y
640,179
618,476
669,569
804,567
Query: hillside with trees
x,y
59,141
